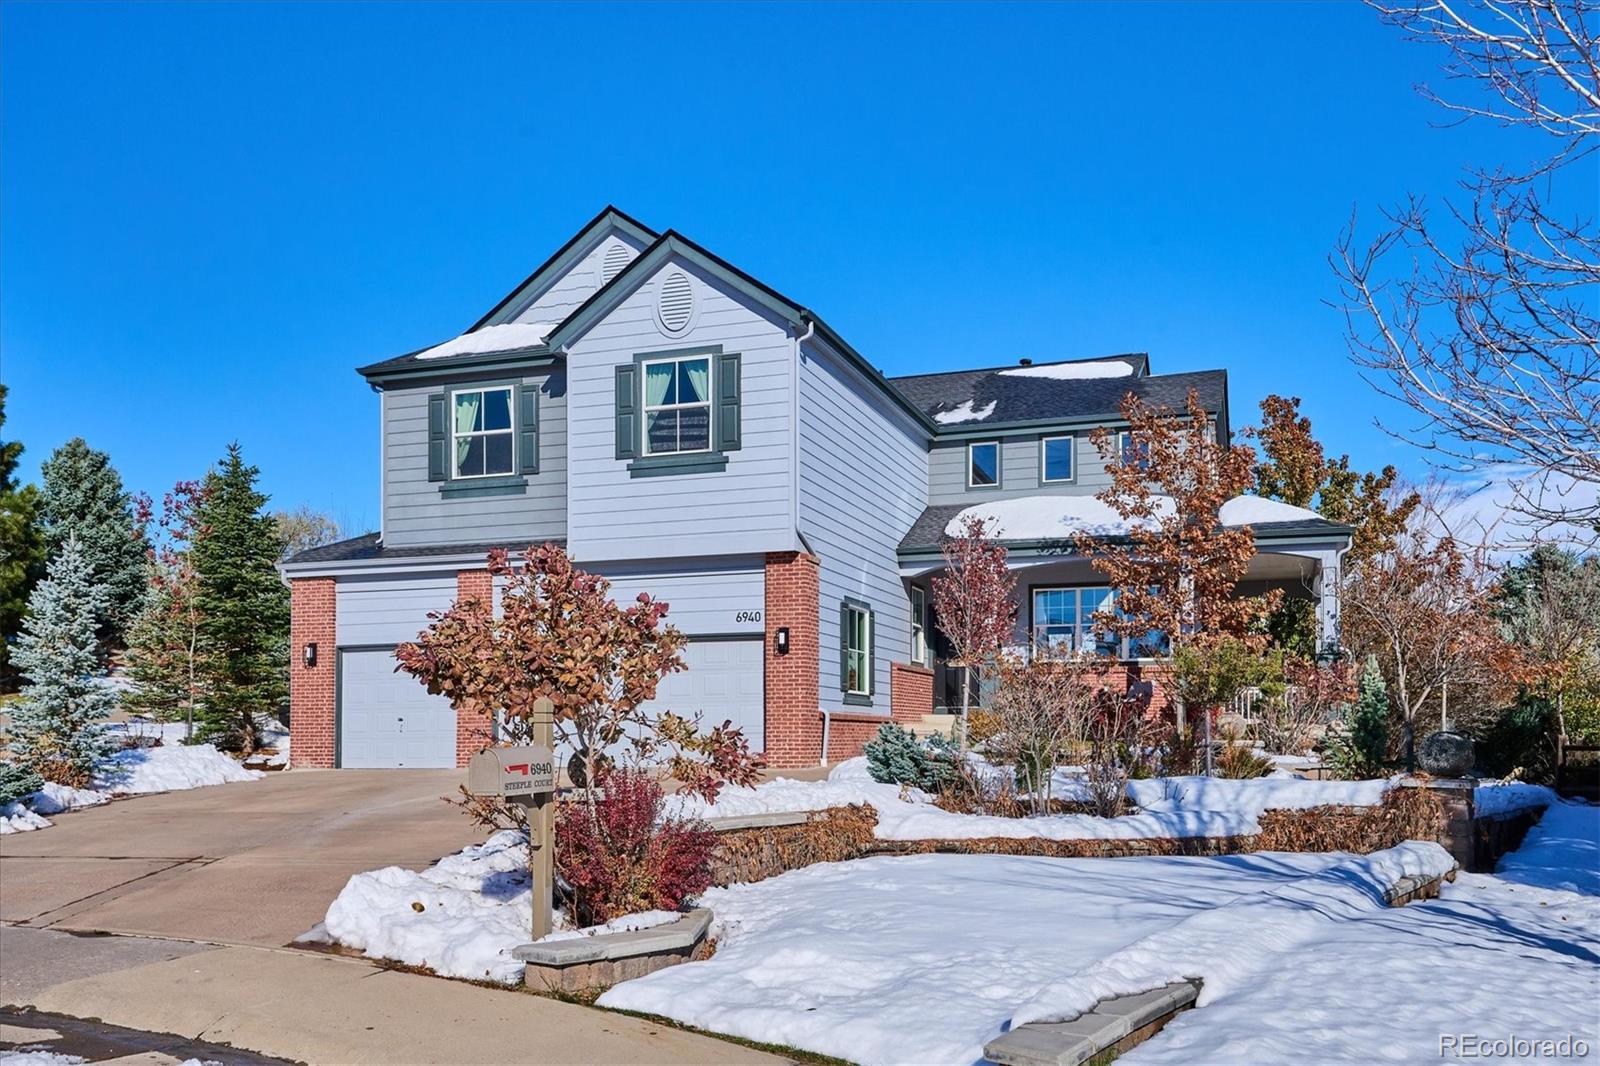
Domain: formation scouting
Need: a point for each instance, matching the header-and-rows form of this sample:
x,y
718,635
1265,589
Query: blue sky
x,y
213,213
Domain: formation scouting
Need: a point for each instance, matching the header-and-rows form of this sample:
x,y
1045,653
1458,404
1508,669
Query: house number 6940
x,y
747,616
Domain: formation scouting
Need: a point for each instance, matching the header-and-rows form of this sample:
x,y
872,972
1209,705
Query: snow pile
x,y
1561,852
1490,958
1109,368
1227,943
502,338
170,768
1052,517
846,958
964,412
132,771
1498,797
460,917
1169,807
36,1056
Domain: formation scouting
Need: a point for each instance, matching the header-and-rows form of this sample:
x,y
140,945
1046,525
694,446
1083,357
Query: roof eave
x,y
510,358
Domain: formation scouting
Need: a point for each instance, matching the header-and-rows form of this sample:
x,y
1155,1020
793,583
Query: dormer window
x,y
983,464
677,405
481,433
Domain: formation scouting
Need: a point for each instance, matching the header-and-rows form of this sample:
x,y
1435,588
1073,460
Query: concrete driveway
x,y
253,863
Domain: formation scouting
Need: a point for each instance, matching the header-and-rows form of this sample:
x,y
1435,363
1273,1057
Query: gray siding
x,y
1019,470
415,512
703,598
740,510
564,295
389,609
863,480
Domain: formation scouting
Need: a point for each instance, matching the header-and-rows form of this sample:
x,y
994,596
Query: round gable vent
x,y
612,262
675,302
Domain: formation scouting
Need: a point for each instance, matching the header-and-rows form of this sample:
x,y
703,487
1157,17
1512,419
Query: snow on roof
x,y
501,338
1109,368
964,412
1053,517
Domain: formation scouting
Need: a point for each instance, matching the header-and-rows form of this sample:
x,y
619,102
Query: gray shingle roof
x,y
1027,398
927,532
369,547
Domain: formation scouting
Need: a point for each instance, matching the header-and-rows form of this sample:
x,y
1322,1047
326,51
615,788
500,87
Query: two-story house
x,y
687,431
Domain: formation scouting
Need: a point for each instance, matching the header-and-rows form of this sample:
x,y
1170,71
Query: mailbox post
x,y
526,774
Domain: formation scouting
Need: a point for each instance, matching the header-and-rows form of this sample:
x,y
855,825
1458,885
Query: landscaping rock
x,y
1445,754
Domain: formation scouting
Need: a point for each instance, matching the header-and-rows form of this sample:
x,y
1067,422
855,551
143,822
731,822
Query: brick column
x,y
474,732
793,712
312,694
910,692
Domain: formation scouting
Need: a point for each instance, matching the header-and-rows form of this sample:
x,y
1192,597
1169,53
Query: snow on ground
x,y
1498,797
34,1056
132,771
923,958
1494,956
1170,807
1109,368
501,338
965,412
1053,517
460,917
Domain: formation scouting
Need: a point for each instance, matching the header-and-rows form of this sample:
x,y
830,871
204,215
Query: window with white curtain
x,y
677,405
481,432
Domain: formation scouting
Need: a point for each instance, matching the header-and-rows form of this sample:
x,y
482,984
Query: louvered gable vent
x,y
612,262
675,301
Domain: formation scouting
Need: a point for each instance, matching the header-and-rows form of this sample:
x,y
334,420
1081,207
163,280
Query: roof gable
x,y
566,258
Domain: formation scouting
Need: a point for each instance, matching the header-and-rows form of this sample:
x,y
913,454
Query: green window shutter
x,y
438,438
528,428
627,410
728,428
844,648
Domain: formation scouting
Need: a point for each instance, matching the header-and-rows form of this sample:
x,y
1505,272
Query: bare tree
x,y
1043,707
1490,333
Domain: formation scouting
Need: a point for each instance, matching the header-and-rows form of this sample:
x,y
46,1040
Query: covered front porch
x,y
1058,595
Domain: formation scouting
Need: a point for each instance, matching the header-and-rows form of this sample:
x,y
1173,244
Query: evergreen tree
x,y
55,728
243,605
22,553
83,497
1362,750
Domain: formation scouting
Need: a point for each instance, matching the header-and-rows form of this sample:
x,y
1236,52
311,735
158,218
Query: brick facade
x,y
473,731
793,721
312,689
910,692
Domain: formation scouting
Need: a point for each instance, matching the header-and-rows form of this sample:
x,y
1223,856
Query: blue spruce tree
x,y
55,730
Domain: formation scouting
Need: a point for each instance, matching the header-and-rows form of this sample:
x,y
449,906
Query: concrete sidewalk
x,y
330,1010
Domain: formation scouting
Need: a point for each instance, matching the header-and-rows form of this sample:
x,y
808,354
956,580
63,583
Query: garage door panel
x,y
387,719
723,682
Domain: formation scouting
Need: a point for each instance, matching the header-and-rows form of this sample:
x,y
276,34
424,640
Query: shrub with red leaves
x,y
620,858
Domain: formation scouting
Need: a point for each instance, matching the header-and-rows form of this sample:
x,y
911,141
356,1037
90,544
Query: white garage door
x,y
387,719
723,683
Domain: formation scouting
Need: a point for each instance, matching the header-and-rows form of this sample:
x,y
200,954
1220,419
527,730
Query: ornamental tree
x,y
1176,569
560,635
166,657
973,600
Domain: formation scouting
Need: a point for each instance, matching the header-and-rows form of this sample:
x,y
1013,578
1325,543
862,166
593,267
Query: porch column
x,y
1327,588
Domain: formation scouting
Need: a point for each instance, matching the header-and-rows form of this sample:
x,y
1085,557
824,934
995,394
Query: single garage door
x,y
724,682
387,719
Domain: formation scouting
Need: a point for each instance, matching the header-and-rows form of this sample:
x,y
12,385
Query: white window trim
x,y
511,431
1072,453
646,407
999,470
864,676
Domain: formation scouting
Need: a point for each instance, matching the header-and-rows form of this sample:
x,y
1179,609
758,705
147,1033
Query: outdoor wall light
x,y
783,640
309,654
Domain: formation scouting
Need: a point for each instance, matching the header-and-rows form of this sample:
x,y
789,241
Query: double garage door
x,y
387,719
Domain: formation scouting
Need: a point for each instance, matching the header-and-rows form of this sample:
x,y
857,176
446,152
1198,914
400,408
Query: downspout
x,y
827,721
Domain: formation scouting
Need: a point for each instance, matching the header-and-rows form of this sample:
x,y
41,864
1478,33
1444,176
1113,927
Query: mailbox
x,y
523,770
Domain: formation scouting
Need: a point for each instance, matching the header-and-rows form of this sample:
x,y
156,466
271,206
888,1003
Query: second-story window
x,y
481,432
1055,459
983,464
677,405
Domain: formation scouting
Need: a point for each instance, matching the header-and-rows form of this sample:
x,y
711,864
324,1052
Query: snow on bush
x,y
460,917
1170,807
